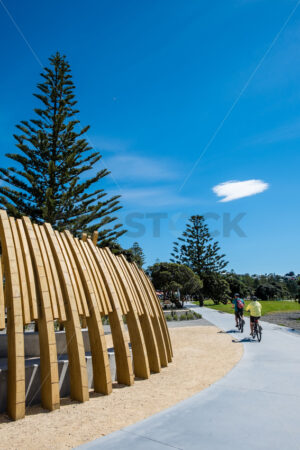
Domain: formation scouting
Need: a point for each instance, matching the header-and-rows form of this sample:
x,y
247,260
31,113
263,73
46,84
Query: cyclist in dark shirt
x,y
239,305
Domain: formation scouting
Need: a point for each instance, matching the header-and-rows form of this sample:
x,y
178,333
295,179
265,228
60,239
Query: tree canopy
x,y
171,277
216,287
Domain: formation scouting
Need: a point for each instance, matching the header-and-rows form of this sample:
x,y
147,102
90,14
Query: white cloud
x,y
232,190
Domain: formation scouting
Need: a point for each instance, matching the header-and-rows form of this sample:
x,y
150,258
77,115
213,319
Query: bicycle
x,y
257,330
241,322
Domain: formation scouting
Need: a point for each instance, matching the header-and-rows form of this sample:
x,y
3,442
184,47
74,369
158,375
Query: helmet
x,y
254,298
236,295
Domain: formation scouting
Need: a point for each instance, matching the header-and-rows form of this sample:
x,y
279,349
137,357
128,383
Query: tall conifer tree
x,y
197,250
138,254
55,178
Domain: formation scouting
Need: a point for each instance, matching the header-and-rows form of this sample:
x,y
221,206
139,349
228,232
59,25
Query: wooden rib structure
x,y
49,275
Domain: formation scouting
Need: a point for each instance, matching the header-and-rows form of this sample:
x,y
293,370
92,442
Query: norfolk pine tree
x,y
197,250
138,254
51,180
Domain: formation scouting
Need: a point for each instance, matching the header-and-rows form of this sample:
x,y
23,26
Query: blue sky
x,y
155,79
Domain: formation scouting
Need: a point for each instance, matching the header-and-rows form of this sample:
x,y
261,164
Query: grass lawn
x,y
267,306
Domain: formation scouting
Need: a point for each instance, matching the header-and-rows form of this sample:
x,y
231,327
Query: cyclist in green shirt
x,y
255,312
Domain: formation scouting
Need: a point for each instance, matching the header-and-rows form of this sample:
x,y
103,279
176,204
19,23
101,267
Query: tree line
x,y
198,270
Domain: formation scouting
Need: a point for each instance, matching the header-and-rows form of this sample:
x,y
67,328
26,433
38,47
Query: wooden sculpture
x,y
50,275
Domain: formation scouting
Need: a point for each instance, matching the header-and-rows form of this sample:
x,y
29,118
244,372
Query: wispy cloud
x,y
135,167
126,164
232,190
283,133
156,197
108,144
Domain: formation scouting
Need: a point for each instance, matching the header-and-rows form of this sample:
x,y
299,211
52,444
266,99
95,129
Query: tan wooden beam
x,y
76,279
77,362
103,297
47,270
101,368
29,271
121,344
15,336
22,275
162,344
146,323
55,277
139,352
155,318
48,351
163,321
2,303
95,237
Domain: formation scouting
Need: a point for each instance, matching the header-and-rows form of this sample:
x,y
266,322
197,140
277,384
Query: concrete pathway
x,y
255,406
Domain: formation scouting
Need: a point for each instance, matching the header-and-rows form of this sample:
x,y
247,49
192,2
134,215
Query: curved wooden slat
x,y
100,302
76,353
146,323
70,273
101,368
119,291
29,271
15,337
2,303
55,278
161,316
76,279
47,270
139,352
22,275
134,295
155,320
96,276
121,344
48,352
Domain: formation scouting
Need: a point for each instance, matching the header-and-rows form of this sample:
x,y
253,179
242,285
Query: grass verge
x,y
268,307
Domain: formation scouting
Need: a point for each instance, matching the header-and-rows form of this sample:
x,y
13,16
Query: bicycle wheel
x,y
258,333
240,324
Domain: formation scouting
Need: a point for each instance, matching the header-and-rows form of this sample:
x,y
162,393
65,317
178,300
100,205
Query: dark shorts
x,y
238,313
253,318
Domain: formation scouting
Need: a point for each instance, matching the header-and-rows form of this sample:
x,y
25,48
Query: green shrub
x,y
175,317
169,318
182,317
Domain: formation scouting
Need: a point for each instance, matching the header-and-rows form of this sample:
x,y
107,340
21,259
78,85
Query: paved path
x,y
255,406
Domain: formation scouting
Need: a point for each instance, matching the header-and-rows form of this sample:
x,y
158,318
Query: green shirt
x,y
254,308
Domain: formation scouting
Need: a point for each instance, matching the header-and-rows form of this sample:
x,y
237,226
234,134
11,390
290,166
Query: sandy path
x,y
202,355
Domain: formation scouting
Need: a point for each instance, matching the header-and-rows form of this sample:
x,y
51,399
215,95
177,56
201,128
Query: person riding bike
x,y
239,305
255,312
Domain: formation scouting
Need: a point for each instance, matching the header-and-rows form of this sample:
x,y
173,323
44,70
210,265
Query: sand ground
x,y
202,355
